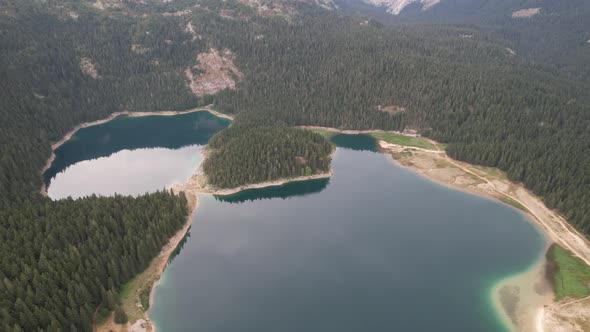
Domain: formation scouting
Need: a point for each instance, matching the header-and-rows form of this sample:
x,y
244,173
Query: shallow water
x,y
376,247
131,155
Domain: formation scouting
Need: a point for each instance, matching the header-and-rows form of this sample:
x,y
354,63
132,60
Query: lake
x,y
376,247
131,155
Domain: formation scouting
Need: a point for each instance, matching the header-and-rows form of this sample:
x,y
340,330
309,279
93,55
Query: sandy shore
x,y
348,131
231,191
194,186
71,133
523,300
520,299
199,184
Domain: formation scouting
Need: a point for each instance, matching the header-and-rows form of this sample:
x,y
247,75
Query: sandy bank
x,y
519,299
195,185
224,192
492,183
71,133
348,131
199,184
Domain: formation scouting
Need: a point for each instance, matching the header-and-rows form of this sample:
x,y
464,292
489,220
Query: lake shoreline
x,y
191,189
275,183
548,222
436,166
198,183
172,245
151,277
551,224
519,299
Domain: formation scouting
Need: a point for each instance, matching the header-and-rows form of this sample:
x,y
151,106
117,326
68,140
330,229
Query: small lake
x,y
131,155
374,248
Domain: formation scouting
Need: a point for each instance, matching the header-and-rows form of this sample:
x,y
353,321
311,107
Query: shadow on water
x,y
360,142
180,245
131,133
300,188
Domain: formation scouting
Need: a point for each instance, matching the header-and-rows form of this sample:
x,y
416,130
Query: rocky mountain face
x,y
396,6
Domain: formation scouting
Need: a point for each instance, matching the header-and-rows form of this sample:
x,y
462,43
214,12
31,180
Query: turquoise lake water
x,y
374,248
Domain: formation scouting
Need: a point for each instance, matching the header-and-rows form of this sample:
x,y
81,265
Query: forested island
x,y
68,62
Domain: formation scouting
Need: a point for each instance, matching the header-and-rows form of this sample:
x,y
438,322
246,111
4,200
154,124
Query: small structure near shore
x,y
411,132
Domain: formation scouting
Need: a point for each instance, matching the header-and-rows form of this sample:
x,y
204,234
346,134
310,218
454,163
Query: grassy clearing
x,y
514,203
399,139
569,274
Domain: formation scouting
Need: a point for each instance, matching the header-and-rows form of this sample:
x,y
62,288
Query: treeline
x,y
252,153
489,105
61,260
555,38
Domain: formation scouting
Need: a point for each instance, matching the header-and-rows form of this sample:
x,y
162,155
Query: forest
x,y
263,152
62,260
66,62
490,106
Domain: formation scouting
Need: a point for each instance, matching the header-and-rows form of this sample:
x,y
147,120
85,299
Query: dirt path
x,y
556,226
572,315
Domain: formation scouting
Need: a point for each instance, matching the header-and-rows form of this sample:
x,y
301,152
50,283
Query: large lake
x,y
374,248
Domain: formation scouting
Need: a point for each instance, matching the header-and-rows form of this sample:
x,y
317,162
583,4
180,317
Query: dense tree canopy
x,y
61,260
255,153
490,106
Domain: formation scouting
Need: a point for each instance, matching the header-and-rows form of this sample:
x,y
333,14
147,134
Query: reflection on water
x,y
126,172
293,189
355,142
131,155
180,245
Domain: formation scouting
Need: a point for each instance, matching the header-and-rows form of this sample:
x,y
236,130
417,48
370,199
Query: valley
x,y
306,132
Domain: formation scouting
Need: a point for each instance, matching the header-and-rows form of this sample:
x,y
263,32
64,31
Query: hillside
x,y
552,33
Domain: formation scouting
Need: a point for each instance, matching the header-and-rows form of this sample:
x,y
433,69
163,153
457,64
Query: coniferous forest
x,y
62,260
263,152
